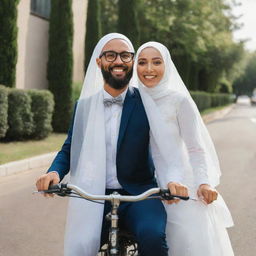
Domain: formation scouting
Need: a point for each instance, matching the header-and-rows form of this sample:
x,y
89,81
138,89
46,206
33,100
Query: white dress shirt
x,y
112,124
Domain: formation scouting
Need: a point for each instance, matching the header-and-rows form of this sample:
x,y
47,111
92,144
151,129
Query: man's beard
x,y
116,83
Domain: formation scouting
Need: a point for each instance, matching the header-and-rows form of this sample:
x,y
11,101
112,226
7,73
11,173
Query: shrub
x,y
220,99
20,117
206,100
215,99
202,99
42,106
3,111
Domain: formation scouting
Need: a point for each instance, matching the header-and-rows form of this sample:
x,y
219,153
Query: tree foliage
x,y
128,22
197,33
93,29
60,62
246,83
8,42
109,16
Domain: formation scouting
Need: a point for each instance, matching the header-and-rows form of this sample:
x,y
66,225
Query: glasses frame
x,y
117,53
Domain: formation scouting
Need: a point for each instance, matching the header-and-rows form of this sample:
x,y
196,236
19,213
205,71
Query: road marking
x,y
253,120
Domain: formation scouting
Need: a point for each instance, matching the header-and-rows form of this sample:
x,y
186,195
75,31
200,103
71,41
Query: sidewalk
x,y
45,160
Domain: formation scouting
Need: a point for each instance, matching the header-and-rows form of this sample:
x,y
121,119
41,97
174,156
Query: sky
x,y
248,10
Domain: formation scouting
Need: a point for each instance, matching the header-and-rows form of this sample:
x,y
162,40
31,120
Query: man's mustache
x,y
118,66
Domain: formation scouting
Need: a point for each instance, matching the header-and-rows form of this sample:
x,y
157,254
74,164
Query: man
x,y
109,144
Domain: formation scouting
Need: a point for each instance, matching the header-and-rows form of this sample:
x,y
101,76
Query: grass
x,y
210,110
12,151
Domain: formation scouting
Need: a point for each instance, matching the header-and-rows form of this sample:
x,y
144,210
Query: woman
x,y
196,227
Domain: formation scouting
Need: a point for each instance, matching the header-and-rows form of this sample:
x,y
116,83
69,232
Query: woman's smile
x,y
150,67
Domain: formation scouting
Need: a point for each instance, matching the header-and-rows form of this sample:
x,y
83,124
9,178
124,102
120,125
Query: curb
x,y
46,159
26,164
217,114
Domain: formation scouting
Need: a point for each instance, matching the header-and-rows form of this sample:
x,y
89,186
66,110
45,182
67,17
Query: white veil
x,y
88,160
171,150
172,83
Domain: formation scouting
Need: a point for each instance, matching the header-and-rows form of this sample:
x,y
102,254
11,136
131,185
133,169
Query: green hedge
x,y
220,99
20,117
25,114
202,99
42,107
206,100
3,110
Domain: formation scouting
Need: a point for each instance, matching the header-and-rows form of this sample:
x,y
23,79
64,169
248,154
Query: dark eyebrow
x,y
155,58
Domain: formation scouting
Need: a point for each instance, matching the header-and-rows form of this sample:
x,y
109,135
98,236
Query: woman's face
x,y
150,67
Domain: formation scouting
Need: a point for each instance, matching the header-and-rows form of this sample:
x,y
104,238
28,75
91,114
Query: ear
x,y
98,61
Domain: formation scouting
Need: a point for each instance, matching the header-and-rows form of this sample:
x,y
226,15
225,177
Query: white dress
x,y
193,228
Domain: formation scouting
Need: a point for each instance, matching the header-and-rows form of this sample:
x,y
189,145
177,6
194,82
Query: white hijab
x,y
170,149
172,83
88,160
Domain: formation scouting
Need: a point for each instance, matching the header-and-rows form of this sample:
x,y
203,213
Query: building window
x,y
41,8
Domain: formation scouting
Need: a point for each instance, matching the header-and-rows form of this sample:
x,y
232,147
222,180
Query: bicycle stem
x,y
113,233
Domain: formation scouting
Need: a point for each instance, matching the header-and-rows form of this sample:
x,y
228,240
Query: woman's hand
x,y
207,193
176,189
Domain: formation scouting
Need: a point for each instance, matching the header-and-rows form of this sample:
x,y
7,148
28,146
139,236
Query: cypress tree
x,y
128,22
60,62
8,42
93,29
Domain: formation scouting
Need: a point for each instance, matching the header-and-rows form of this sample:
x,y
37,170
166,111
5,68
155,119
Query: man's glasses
x,y
111,56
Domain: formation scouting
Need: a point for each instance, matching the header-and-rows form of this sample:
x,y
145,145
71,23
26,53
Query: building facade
x,y
33,27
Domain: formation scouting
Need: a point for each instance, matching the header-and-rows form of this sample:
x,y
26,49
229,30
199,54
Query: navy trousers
x,y
146,220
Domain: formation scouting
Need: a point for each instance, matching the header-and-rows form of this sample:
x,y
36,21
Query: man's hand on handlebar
x,y
45,180
177,189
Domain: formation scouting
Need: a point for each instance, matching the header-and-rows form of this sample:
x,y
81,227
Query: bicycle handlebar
x,y
66,189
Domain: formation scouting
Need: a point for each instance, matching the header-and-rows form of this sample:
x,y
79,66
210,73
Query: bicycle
x,y
120,243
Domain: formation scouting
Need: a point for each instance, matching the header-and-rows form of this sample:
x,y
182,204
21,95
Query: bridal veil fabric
x,y
173,84
193,229
88,160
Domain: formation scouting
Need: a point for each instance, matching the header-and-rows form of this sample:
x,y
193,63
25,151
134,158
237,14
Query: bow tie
x,y
117,100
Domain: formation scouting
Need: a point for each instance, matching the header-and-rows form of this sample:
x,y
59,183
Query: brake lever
x,y
166,195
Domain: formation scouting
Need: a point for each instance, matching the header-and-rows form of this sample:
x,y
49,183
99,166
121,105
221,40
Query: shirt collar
x,y
106,95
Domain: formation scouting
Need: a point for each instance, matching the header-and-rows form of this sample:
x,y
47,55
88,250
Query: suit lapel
x,y
129,104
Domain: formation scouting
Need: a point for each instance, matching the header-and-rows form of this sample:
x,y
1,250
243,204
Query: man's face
x,y
116,73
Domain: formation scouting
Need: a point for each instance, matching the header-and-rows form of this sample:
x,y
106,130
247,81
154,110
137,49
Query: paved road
x,y
29,224
235,140
33,225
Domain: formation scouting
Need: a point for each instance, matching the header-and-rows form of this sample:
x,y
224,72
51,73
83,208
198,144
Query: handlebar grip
x,y
166,194
54,187
60,189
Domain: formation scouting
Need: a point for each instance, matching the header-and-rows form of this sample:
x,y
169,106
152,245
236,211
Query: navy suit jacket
x,y
135,168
